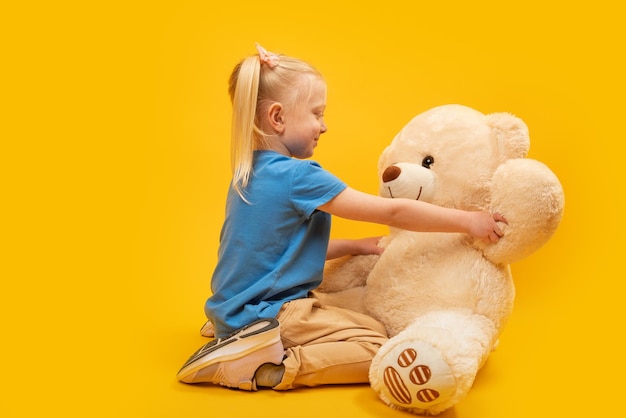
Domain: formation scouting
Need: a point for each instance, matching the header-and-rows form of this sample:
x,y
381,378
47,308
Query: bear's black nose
x,y
391,173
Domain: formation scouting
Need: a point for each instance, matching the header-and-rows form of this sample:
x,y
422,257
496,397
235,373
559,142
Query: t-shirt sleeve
x,y
312,186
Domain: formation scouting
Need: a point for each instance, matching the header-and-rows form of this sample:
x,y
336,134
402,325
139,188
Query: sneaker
x,y
232,361
208,329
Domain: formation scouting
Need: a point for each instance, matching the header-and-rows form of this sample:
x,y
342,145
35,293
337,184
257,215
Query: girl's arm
x,y
414,215
363,246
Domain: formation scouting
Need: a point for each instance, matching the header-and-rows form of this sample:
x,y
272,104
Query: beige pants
x,y
326,345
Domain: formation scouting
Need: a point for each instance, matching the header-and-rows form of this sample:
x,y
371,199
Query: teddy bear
x,y
445,298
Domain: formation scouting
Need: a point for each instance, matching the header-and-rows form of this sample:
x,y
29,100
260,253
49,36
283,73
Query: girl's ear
x,y
275,113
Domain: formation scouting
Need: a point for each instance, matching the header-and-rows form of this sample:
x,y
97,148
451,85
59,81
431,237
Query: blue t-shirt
x,y
272,249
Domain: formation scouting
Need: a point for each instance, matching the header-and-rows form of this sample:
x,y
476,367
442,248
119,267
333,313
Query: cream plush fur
x,y
445,297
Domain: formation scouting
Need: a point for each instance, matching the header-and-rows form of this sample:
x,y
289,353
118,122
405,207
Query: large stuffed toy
x,y
445,297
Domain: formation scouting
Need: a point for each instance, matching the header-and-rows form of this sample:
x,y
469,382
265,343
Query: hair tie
x,y
267,57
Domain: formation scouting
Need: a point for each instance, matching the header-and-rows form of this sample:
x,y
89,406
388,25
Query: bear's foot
x,y
412,375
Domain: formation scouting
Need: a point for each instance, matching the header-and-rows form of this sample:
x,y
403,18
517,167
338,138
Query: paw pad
x,y
418,374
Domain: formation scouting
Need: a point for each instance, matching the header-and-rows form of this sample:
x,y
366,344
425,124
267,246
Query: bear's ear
x,y
510,134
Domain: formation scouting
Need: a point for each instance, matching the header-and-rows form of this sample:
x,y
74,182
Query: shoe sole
x,y
243,342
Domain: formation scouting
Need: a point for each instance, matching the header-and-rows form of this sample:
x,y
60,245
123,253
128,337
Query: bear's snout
x,y
409,181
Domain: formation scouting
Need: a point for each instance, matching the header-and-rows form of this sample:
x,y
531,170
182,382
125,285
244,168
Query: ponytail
x,y
243,89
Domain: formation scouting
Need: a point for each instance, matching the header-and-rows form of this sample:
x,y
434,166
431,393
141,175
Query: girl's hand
x,y
366,246
363,246
483,225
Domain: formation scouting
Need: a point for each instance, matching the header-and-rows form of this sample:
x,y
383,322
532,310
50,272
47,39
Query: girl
x,y
270,332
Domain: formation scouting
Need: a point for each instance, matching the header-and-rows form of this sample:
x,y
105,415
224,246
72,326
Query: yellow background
x,y
114,129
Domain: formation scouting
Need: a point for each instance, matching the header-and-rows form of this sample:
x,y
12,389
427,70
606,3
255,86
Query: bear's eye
x,y
427,162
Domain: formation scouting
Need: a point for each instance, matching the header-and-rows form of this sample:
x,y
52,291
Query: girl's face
x,y
304,121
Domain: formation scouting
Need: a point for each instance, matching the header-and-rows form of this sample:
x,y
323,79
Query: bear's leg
x,y
430,366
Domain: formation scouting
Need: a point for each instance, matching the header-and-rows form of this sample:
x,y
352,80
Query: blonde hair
x,y
253,86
